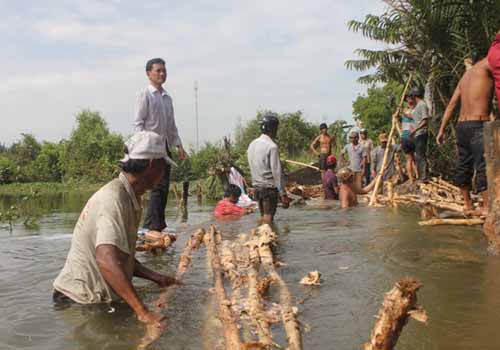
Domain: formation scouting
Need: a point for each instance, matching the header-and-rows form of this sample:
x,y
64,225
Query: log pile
x,y
248,267
154,242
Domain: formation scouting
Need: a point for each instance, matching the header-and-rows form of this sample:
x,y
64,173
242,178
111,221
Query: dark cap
x,y
323,126
416,92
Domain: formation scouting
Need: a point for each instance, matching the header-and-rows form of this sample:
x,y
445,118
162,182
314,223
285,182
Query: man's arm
x,y
111,262
141,111
274,160
143,272
312,147
423,123
173,132
448,113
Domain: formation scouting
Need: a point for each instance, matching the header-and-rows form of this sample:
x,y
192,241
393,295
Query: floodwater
x,y
360,252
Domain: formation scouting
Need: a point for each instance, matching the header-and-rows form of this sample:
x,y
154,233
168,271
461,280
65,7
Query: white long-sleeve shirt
x,y
155,112
264,161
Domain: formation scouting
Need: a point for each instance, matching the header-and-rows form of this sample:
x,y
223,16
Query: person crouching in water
x,y
347,192
265,167
329,179
227,206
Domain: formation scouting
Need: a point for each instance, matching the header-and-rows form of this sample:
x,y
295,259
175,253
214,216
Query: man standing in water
x,y
475,93
357,159
265,167
155,112
101,261
326,143
421,117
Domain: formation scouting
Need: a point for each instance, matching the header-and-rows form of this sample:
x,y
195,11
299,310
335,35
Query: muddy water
x,y
360,252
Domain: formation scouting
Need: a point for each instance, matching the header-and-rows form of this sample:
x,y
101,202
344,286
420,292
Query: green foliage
x,y
92,152
7,170
375,109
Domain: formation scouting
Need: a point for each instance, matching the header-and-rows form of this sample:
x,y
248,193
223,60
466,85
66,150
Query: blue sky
x,y
286,55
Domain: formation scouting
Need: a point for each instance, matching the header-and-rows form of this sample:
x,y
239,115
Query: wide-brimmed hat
x,y
146,145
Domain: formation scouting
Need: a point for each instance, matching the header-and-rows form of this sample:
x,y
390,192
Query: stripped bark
x,y
492,150
399,304
230,329
463,222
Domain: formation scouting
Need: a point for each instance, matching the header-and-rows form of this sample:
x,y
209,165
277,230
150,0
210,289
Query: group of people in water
x,y
101,261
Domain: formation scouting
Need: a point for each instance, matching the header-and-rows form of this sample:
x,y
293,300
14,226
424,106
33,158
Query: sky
x,y
59,57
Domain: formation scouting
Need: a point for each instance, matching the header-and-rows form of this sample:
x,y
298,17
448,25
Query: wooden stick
x,y
380,175
398,305
466,222
292,328
303,164
230,330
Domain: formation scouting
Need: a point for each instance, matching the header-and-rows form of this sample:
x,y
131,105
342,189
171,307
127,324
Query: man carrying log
x,y
101,261
265,168
326,143
474,92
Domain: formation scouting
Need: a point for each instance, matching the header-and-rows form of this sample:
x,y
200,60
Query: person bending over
x,y
101,261
227,206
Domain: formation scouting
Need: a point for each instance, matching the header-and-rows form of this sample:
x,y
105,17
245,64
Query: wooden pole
x,y
380,175
463,222
303,164
491,152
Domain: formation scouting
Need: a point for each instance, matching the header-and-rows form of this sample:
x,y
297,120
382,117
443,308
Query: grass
x,y
19,189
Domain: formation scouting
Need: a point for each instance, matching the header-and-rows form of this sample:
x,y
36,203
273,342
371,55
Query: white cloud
x,y
284,55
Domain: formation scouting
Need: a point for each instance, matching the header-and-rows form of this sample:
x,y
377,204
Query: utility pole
x,y
196,114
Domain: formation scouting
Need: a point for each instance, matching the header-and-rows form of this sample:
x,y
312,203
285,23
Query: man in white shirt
x,y
101,261
155,112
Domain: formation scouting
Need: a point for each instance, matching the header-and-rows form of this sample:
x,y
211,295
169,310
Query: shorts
x,y
470,145
322,161
408,145
267,199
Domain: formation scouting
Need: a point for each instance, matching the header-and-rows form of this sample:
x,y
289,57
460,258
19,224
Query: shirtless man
x,y
475,93
326,144
347,192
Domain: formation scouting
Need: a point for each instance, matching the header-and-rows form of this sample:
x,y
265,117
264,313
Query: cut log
x,y
399,304
491,152
463,222
230,329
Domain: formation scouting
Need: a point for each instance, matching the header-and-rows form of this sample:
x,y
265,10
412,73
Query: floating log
x,y
399,304
464,222
230,329
492,150
292,328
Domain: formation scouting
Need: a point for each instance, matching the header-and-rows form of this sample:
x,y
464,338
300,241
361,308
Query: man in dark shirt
x,y
329,179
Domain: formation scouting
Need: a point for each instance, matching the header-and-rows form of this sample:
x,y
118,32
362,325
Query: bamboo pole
x,y
230,329
465,222
303,164
399,304
380,175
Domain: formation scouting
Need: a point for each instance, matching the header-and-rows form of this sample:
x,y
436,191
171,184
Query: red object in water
x,y
226,207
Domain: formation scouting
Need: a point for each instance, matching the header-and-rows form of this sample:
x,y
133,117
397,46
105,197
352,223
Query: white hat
x,y
146,145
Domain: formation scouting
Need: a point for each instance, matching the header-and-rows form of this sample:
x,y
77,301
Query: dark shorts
x,y
267,199
470,145
408,145
322,161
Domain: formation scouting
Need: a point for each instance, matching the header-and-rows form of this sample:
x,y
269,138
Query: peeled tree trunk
x,y
399,304
491,152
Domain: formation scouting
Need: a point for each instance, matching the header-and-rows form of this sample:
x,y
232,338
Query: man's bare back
x,y
476,93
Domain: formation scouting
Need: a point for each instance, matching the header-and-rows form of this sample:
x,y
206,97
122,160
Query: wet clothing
x,y
155,214
226,207
267,199
111,216
265,165
420,113
470,144
330,183
356,153
494,61
322,161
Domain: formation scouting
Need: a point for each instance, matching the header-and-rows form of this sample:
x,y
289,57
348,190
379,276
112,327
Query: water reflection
x,y
360,252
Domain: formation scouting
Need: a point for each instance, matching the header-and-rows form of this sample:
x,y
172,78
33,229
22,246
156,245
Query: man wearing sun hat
x,y
101,261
